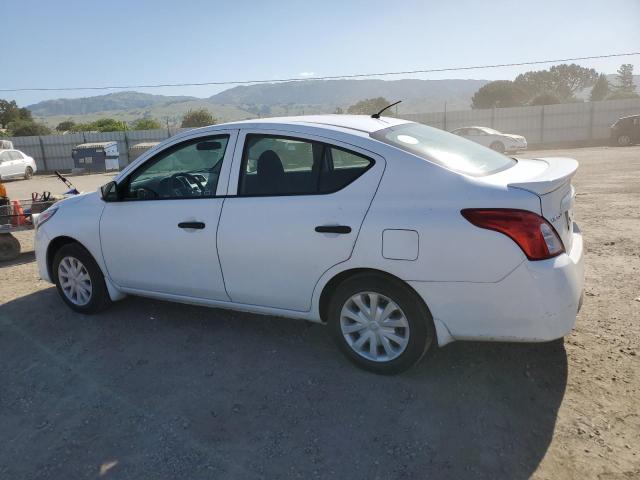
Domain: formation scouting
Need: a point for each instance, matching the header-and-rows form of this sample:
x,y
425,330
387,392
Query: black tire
x,y
28,173
498,147
99,298
623,140
9,247
422,335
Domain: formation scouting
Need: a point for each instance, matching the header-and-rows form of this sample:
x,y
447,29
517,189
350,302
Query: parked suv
x,y
626,131
15,164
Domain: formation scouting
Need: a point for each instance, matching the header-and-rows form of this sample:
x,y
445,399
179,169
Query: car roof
x,y
629,116
359,123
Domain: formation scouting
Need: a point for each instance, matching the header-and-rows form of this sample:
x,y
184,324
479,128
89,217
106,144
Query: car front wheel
x,y
28,173
380,324
79,280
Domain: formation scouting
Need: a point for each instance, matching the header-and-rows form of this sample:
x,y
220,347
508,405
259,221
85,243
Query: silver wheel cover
x,y
374,326
75,281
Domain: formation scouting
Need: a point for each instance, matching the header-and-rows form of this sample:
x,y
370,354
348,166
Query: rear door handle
x,y
343,229
196,225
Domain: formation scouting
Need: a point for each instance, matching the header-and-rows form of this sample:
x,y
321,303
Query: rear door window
x,y
274,165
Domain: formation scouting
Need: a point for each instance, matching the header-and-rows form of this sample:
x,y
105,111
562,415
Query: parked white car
x,y
398,236
16,164
498,141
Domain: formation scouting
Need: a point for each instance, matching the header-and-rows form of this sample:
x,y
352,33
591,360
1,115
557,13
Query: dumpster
x,y
96,157
139,148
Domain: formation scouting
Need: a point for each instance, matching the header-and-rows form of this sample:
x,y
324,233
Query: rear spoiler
x,y
559,171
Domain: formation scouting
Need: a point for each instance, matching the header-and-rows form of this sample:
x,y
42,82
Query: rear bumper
x,y
537,301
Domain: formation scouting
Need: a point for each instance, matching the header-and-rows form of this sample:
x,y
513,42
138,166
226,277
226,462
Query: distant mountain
x,y
288,98
416,95
271,99
100,103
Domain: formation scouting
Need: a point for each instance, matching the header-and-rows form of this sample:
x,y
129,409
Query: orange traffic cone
x,y
18,218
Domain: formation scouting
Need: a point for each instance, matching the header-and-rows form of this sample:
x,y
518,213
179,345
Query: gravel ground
x,y
150,389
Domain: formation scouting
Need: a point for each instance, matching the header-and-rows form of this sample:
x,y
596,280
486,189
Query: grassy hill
x,y
326,95
288,98
171,112
101,103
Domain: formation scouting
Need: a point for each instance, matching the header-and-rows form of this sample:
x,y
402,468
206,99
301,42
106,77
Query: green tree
x,y
108,125
601,89
535,83
66,126
146,124
625,81
198,118
563,81
500,93
10,112
545,99
338,111
25,128
369,106
571,79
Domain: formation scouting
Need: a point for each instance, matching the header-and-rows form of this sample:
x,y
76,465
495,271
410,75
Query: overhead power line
x,y
328,77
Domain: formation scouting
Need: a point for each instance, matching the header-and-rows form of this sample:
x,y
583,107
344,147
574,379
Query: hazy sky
x,y
83,43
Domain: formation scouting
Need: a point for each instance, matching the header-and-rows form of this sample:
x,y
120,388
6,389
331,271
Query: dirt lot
x,y
157,390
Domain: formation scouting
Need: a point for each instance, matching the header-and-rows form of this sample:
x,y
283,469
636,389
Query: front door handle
x,y
196,225
343,229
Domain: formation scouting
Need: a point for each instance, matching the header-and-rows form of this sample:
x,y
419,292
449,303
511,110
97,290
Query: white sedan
x,y
498,141
398,236
16,164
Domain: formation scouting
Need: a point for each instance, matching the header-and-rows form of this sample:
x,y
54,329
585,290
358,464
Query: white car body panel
x,y
263,255
184,262
269,249
15,167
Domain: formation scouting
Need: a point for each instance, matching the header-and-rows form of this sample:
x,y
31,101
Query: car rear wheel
x,y
28,173
79,280
380,324
624,140
497,146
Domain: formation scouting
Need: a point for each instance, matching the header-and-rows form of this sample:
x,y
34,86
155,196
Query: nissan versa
x,y
398,236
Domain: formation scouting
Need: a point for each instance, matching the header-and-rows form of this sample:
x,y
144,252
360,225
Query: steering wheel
x,y
184,180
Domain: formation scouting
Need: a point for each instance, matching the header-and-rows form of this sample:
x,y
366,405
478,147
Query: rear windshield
x,y
444,148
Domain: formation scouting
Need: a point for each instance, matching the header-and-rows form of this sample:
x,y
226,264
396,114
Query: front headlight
x,y
46,215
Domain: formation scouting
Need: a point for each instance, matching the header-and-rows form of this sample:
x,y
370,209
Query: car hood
x,y
74,199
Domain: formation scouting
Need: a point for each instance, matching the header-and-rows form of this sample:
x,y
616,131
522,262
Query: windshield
x,y
444,148
490,131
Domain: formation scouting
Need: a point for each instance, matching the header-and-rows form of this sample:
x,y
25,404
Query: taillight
x,y
532,233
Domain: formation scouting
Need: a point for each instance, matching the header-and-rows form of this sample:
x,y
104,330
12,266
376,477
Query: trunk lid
x,y
550,180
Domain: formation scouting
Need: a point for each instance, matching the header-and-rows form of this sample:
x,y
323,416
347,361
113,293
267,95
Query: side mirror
x,y
109,192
